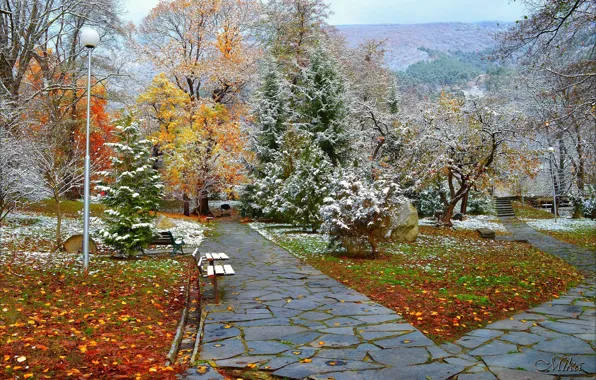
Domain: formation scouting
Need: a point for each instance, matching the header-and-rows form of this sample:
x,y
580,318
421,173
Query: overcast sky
x,y
393,11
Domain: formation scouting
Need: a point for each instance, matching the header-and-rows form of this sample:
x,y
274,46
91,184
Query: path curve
x,y
281,315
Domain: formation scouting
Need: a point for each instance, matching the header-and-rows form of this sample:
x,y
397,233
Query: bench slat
x,y
228,270
210,271
208,256
219,270
215,256
223,256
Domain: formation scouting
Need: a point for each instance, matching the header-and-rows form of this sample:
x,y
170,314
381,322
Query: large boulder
x,y
74,244
164,223
404,223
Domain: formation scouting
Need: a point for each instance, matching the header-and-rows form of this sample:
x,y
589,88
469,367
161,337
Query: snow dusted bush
x,y
480,204
132,191
359,215
428,201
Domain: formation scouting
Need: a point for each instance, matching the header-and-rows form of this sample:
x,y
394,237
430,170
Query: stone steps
x,y
504,208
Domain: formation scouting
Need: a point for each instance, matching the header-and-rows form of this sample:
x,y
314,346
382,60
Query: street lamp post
x,y
89,39
551,152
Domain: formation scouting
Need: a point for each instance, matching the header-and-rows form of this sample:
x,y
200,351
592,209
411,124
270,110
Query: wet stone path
x,y
582,258
280,315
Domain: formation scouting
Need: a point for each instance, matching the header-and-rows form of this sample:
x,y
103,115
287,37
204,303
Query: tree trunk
x,y
448,213
204,206
464,204
186,205
58,224
578,209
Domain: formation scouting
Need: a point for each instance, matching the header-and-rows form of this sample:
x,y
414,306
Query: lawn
x,y
55,323
447,283
116,323
527,211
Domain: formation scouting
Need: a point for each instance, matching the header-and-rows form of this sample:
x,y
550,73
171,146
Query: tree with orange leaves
x,y
201,144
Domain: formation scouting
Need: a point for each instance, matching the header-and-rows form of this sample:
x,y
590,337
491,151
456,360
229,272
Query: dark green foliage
x,y
132,191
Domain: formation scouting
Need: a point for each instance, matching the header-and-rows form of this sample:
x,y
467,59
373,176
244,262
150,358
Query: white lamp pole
x,y
551,152
89,39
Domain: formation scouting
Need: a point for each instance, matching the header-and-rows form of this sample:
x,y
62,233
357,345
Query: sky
x,y
348,12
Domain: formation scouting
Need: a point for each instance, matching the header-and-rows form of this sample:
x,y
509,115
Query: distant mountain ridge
x,y
403,40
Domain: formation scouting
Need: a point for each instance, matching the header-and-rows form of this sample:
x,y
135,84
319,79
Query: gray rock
x,y
399,357
486,333
320,366
342,322
203,372
315,316
214,332
508,324
334,340
270,332
223,349
476,376
567,328
434,371
567,345
350,354
522,338
414,339
260,347
513,374
242,361
494,348
302,337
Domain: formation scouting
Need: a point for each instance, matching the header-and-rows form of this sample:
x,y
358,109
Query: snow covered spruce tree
x,y
132,190
323,106
304,191
270,112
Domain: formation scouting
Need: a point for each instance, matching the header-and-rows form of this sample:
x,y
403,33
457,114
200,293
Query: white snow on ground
x,y
471,222
191,232
312,243
562,224
41,227
38,227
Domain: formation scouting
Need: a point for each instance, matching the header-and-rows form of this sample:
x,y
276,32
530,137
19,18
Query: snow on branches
x,y
132,190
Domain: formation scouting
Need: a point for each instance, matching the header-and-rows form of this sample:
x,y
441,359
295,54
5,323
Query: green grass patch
x,y
69,208
448,282
529,212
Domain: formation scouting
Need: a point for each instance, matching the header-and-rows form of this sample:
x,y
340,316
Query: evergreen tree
x,y
132,190
307,186
270,111
323,106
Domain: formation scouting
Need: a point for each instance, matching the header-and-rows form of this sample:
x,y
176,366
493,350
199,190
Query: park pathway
x,y
286,317
582,258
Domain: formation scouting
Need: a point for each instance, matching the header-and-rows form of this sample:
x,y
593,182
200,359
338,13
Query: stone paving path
x,y
277,312
582,258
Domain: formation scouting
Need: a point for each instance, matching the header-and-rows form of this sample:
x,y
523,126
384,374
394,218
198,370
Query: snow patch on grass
x,y
562,224
471,222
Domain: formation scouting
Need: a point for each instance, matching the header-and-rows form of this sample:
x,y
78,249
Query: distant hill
x,y
403,41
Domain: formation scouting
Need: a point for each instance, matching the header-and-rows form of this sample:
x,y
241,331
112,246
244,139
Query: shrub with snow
x,y
358,214
132,192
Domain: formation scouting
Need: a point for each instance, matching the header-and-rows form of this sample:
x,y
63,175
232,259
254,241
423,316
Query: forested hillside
x,y
403,41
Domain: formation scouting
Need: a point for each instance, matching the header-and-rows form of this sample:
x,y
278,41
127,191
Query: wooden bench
x,y
166,238
212,270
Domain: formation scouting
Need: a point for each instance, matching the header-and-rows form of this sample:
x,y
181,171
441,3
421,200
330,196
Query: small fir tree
x,y
132,190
